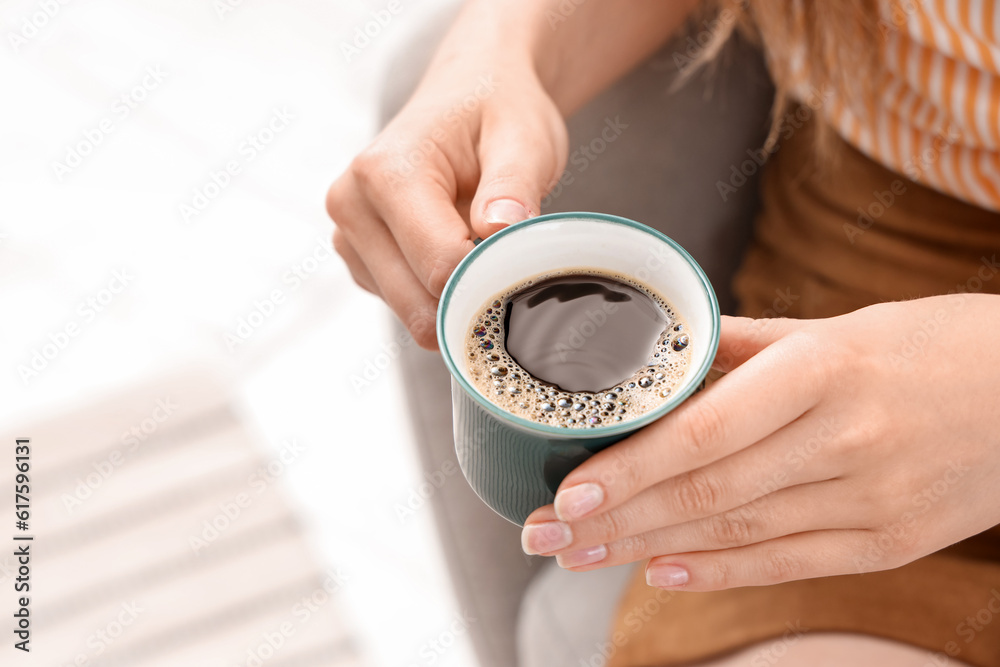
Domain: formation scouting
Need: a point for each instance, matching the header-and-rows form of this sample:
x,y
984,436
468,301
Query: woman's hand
x,y
851,444
481,141
475,147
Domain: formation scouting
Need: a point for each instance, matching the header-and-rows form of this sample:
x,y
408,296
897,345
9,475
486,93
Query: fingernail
x,y
663,576
582,557
541,538
505,212
578,501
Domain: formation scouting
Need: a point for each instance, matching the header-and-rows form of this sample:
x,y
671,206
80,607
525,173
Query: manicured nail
x,y
582,557
505,212
578,501
664,576
541,538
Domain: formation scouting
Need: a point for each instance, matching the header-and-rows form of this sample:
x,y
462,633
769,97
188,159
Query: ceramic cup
x,y
516,465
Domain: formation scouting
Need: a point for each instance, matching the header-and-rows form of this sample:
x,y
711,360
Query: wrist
x,y
577,49
519,41
488,36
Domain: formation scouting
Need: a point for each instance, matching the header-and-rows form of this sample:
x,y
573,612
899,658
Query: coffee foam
x,y
499,378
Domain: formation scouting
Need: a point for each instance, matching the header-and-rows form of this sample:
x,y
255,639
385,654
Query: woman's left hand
x,y
851,444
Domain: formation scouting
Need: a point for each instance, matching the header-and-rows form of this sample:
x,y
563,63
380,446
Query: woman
x,y
858,442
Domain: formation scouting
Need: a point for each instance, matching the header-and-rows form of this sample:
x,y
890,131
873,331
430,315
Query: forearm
x,y
575,47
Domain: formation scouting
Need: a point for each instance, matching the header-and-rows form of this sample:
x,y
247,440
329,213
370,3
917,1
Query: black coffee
x,y
582,332
578,349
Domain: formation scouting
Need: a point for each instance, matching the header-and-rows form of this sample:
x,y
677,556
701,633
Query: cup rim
x,y
566,433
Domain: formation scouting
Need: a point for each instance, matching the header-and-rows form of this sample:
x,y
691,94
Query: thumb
x,y
516,174
742,337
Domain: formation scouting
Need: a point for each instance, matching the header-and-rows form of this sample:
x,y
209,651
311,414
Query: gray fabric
x,y
661,170
566,616
482,549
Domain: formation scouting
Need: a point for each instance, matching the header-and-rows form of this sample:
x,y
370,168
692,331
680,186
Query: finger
x,y
741,338
428,229
822,553
518,164
799,509
785,459
771,390
394,279
362,276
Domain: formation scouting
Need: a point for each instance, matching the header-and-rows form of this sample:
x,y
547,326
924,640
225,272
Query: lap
x,y
831,649
566,620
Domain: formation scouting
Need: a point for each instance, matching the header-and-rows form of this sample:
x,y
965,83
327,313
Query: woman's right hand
x,y
474,150
478,145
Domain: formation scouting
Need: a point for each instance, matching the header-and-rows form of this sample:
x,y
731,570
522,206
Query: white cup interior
x,y
560,243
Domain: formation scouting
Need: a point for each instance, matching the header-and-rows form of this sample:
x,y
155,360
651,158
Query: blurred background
x,y
194,366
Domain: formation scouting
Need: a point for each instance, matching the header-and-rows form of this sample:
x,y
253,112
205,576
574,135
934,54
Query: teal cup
x,y
513,464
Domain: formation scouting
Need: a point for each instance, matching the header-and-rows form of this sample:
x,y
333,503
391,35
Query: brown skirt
x,y
830,240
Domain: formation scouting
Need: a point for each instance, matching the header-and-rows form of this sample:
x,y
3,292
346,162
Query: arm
x,y
865,452
483,138
576,49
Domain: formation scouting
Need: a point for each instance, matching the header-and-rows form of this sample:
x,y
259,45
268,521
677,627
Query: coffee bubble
x,y
505,383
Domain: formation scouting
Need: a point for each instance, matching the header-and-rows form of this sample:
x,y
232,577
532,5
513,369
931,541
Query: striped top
x,y
937,118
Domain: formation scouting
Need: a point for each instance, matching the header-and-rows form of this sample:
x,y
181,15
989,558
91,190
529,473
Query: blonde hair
x,y
828,45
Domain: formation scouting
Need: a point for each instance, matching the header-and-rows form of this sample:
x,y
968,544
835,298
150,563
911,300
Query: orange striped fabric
x,y
937,117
